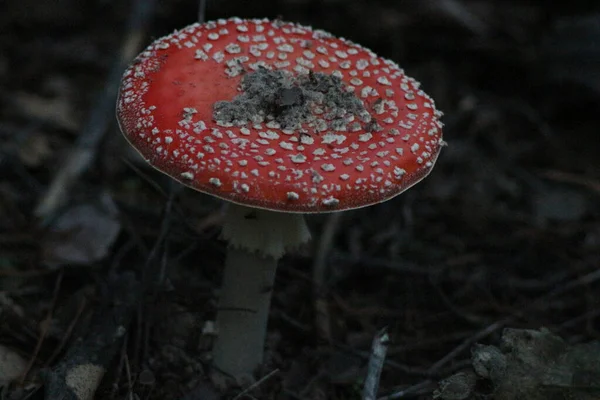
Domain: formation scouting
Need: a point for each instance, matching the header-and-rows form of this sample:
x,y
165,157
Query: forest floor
x,y
504,233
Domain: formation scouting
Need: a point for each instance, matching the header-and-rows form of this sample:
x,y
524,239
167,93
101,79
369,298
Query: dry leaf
x,y
83,234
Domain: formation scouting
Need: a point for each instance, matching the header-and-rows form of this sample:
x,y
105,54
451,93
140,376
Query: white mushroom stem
x,y
257,240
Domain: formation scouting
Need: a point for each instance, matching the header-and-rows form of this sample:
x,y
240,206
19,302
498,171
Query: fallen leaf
x,y
83,234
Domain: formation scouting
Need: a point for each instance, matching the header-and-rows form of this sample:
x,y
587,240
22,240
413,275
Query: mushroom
x,y
280,120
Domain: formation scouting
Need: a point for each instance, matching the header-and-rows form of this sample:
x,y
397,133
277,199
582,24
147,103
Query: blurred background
x,y
505,232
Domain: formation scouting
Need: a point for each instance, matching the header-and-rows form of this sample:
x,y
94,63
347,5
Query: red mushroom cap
x,y
278,116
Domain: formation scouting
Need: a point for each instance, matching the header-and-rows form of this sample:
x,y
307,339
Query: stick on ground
x,y
77,376
375,366
102,114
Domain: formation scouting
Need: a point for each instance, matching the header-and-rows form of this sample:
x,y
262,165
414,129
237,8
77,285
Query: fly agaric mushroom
x,y
280,120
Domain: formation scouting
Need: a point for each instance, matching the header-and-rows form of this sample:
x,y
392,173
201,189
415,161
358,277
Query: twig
x,y
467,343
44,326
409,391
375,366
405,369
575,283
153,276
567,177
322,318
101,116
119,370
202,11
68,333
256,384
129,380
77,376
462,16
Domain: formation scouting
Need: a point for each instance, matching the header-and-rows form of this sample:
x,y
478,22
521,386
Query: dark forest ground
x,y
504,233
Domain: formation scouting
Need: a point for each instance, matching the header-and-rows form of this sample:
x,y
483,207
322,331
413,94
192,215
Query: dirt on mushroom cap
x,y
278,116
293,102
